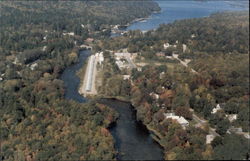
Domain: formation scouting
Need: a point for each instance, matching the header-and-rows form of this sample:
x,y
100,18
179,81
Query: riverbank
x,y
154,134
132,139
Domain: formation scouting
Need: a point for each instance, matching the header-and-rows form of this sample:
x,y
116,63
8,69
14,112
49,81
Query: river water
x,y
133,141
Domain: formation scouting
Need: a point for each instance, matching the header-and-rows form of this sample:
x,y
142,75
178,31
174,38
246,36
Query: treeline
x,y
220,33
80,17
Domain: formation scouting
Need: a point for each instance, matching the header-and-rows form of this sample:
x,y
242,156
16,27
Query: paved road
x,y
176,56
201,122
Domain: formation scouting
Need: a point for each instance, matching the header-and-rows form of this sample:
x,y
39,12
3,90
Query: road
x,y
200,122
176,56
239,132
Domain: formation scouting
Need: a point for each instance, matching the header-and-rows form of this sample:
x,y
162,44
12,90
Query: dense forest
x,y
38,40
217,48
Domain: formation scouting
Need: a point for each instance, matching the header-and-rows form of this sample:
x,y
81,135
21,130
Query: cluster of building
x,y
231,117
124,60
167,45
99,58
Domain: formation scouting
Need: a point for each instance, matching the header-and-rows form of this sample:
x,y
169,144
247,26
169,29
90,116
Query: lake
x,y
177,10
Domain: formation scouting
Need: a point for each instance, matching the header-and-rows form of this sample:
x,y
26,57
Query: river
x,y
133,141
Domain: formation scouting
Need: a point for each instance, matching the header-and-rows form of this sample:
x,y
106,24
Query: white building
x,y
216,109
154,95
166,45
99,57
161,75
44,48
69,33
209,139
184,48
116,27
181,120
169,57
126,77
120,64
32,67
232,117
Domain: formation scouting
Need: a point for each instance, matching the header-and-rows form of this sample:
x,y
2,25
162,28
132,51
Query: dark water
x,y
133,140
72,81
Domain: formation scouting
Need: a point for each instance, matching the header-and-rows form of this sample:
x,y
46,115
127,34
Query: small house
x,y
181,120
209,139
216,109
